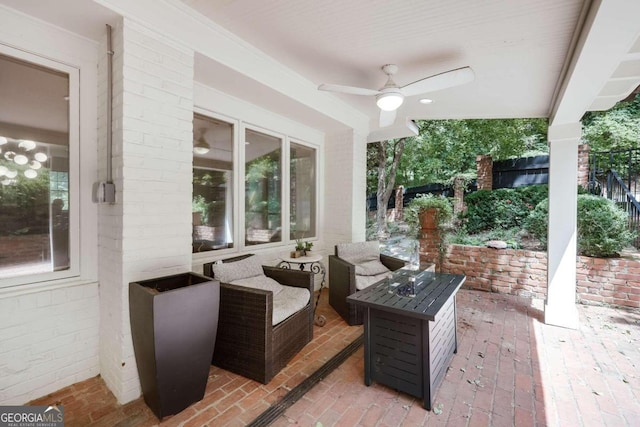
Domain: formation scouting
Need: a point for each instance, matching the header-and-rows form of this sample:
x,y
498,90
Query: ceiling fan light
x,y
389,101
201,147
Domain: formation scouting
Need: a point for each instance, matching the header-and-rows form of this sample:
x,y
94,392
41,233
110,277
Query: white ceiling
x,y
532,58
516,48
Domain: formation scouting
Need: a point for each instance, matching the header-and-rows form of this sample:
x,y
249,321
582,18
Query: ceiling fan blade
x,y
440,81
387,118
351,90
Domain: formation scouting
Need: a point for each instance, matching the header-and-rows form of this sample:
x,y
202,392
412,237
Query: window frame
x,y
239,155
203,256
284,203
316,159
74,270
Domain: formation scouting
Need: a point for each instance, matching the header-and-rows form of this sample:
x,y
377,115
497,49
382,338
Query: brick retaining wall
x,y
613,281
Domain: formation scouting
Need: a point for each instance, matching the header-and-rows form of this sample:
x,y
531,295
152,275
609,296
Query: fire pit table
x,y
410,330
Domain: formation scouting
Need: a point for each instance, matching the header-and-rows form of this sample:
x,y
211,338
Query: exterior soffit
x,y
605,65
191,29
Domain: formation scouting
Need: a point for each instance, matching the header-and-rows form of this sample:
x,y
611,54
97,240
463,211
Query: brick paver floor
x,y
510,369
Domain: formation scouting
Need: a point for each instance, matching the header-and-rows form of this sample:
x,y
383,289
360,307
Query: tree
x,y
389,154
617,128
445,149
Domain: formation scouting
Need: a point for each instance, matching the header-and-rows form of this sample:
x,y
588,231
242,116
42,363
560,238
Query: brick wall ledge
x,y
599,281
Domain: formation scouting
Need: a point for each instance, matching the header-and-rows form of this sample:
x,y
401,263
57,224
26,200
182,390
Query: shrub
x,y
503,208
537,222
602,226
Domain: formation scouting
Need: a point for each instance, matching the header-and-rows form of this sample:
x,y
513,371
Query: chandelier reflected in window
x,y
20,156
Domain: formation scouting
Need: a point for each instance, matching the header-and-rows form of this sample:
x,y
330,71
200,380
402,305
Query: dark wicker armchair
x,y
342,283
247,343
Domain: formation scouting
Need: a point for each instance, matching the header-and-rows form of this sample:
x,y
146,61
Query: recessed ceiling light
x,y
426,101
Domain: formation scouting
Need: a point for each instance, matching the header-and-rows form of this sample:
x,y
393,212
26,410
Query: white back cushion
x,y
229,271
357,253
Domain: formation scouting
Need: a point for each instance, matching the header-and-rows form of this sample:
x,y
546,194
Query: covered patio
x,y
511,369
249,70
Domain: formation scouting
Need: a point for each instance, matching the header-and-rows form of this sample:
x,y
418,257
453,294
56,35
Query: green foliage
x,y
25,204
503,208
446,148
617,128
602,226
200,205
423,202
301,245
538,221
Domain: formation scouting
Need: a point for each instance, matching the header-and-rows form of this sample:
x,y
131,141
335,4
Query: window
x,y
302,183
251,186
213,167
263,188
35,202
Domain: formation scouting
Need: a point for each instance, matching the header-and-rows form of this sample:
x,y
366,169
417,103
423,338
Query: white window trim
x,y
316,149
239,129
74,171
284,200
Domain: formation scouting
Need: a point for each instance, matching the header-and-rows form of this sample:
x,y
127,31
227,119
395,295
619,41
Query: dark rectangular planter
x,y
174,321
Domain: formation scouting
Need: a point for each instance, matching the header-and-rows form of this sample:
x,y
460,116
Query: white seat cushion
x,y
260,282
371,268
363,282
289,301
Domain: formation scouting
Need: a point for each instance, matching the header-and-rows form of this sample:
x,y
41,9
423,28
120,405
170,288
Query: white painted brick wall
x,y
48,341
147,233
345,194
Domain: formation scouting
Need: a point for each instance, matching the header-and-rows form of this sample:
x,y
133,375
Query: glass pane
x,y
303,192
34,169
263,198
212,203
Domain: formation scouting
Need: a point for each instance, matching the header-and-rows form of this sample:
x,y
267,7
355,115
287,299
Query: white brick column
x,y
147,232
560,307
345,188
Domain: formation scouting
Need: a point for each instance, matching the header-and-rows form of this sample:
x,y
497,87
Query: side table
x,y
316,267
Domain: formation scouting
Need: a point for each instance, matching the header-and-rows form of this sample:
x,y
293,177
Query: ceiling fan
x,y
391,96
